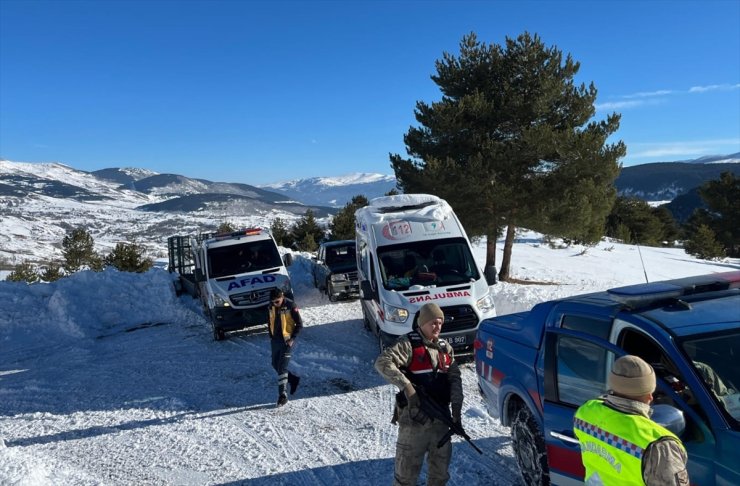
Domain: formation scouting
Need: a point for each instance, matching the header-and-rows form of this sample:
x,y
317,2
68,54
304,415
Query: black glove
x,y
457,413
415,412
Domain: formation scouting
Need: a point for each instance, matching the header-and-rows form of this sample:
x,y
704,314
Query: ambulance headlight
x,y
486,303
395,314
220,302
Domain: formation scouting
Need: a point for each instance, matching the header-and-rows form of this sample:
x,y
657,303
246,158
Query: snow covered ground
x,y
109,378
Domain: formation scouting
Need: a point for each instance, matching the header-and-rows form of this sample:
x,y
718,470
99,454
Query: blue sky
x,y
259,92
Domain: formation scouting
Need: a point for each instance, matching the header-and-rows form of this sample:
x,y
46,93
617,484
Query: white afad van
x,y
412,249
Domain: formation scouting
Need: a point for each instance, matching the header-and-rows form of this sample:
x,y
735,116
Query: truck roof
x,y
683,306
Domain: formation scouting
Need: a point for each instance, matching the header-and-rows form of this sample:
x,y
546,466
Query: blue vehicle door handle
x,y
564,438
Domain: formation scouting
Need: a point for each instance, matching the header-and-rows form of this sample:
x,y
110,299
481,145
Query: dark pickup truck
x,y
536,368
335,269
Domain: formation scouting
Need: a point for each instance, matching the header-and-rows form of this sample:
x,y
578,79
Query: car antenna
x,y
637,243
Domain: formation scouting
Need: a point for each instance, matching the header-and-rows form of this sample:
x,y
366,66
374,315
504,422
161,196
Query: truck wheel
x,y
330,292
529,448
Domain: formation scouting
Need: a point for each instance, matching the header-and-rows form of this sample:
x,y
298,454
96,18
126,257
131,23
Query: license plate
x,y
457,340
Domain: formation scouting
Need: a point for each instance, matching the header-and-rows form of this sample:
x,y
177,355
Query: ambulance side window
x,y
372,272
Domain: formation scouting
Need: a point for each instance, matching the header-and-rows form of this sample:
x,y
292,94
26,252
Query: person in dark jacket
x,y
284,323
421,359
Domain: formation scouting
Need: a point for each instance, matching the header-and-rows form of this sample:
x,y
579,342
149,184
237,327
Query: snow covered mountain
x,y
335,191
41,202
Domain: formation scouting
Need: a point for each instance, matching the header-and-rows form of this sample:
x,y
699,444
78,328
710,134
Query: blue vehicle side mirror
x,y
669,417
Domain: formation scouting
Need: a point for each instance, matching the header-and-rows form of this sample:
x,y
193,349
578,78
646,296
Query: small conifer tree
x,y
703,244
23,272
128,257
78,250
281,233
52,272
342,226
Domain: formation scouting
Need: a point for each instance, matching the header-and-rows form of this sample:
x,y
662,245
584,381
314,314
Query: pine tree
x,y
510,143
723,201
342,226
645,226
703,244
305,227
23,272
52,272
78,250
281,233
128,257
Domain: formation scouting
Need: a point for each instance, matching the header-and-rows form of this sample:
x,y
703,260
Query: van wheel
x,y
218,333
529,448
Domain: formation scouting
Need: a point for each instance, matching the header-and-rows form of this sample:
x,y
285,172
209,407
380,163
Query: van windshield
x,y
224,261
428,263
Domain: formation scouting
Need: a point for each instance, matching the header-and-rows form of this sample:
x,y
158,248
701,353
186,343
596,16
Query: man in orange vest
x,y
284,323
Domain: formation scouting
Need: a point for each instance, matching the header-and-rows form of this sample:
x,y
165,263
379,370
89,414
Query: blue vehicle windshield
x,y
427,263
714,357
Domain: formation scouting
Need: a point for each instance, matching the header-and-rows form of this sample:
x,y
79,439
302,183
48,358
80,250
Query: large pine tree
x,y
510,144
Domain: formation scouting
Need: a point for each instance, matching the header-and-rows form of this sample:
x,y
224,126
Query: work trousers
x,y
414,442
281,354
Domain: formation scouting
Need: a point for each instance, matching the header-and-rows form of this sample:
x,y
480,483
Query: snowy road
x,y
162,403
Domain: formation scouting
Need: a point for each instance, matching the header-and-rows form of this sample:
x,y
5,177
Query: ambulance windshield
x,y
439,262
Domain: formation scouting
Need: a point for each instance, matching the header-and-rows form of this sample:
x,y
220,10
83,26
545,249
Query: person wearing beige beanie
x,y
619,443
421,359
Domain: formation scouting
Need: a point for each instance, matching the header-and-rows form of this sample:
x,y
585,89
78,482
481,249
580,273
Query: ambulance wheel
x,y
365,320
529,448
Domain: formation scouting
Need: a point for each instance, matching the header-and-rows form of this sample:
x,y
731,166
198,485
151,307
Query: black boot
x,y
282,400
293,381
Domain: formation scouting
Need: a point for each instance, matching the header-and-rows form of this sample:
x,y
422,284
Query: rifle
x,y
435,410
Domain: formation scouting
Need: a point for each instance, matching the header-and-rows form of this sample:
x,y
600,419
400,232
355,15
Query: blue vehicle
x,y
536,368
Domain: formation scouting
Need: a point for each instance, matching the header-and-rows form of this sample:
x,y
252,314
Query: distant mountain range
x,y
335,191
664,181
41,202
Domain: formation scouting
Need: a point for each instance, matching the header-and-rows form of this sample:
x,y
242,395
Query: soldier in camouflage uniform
x,y
422,359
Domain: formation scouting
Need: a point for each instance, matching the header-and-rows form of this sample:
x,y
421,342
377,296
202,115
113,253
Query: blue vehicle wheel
x,y
529,448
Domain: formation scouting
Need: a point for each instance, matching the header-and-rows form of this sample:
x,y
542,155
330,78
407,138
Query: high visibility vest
x,y
286,321
613,443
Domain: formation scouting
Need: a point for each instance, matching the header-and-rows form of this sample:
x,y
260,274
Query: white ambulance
x,y
412,249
